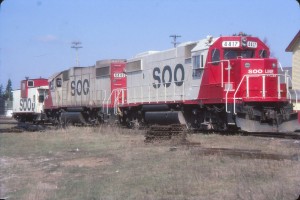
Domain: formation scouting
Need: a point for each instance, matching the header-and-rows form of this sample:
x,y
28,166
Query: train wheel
x,y
135,124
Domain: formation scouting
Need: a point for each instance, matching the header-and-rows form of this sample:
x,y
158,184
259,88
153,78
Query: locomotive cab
x,y
220,83
28,102
241,75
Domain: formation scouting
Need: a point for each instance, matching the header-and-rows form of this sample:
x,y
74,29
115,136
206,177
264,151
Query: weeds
x,y
111,163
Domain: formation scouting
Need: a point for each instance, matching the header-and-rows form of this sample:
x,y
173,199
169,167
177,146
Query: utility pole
x,y
175,39
76,46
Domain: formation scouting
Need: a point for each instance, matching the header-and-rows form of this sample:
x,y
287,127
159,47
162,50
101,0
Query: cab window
x,y
230,54
234,54
215,56
263,53
30,83
58,82
247,54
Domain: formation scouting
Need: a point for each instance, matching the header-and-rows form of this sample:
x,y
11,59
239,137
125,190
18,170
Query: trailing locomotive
x,y
86,95
224,83
28,102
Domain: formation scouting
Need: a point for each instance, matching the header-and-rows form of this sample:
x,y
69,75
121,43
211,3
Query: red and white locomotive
x,y
28,102
85,95
224,83
220,83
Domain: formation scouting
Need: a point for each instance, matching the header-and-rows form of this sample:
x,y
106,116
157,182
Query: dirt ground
x,y
112,163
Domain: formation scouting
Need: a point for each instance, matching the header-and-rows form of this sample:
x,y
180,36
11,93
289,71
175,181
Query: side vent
x,y
103,71
65,75
134,66
188,50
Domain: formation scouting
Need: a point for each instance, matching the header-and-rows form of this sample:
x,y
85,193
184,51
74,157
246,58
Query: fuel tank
x,y
160,107
165,117
72,117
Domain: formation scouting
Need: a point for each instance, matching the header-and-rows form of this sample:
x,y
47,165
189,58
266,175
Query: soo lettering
x,y
80,87
167,72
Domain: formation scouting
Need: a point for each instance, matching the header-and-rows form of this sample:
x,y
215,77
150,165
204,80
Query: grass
x,y
112,163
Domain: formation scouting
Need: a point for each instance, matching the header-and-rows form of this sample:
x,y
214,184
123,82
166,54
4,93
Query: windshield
x,y
233,54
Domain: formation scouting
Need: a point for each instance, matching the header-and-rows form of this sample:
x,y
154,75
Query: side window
x,y
202,61
215,56
58,82
196,62
51,85
198,65
41,98
30,83
263,53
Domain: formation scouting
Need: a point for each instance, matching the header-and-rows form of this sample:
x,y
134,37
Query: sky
x,y
36,35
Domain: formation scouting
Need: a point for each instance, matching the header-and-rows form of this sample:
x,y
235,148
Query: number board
x,y
252,44
231,44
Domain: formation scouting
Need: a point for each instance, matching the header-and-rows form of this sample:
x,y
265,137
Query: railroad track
x,y
9,125
25,127
288,135
154,132
293,135
241,153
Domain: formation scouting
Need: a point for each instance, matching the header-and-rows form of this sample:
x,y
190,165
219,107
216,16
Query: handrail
x,y
287,77
138,93
222,79
239,85
104,95
296,95
142,93
109,98
116,103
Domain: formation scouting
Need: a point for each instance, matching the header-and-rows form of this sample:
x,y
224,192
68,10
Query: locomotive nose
x,y
259,66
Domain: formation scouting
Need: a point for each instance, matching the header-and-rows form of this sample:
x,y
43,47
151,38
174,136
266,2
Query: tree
x,y
1,91
8,92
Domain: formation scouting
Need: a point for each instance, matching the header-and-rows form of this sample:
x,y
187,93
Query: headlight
x,y
274,65
247,65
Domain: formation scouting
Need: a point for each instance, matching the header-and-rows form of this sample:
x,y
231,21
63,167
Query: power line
x,y
175,39
76,46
